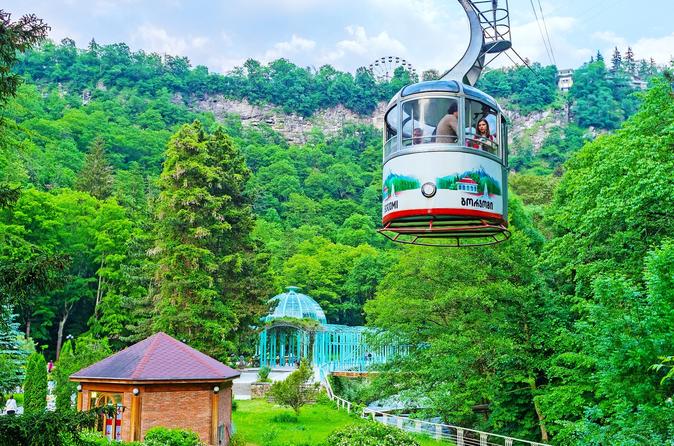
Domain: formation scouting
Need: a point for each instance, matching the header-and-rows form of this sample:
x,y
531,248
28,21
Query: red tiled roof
x,y
158,358
467,180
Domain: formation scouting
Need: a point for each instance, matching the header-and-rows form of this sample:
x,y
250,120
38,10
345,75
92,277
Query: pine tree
x,y
96,175
600,56
13,352
630,64
616,60
653,67
204,221
35,386
644,69
64,368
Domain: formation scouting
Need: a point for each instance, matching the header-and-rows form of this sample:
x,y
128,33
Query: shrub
x,y
237,440
46,428
285,418
296,390
263,374
161,436
35,386
269,437
235,405
370,434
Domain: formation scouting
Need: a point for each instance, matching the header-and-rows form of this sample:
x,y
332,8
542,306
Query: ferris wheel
x,y
384,68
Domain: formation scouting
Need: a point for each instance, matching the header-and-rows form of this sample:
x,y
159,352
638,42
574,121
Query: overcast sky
x,y
352,33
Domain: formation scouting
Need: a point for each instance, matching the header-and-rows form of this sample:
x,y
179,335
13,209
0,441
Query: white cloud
x,y
659,48
153,38
225,64
199,42
528,42
102,8
365,47
226,39
296,45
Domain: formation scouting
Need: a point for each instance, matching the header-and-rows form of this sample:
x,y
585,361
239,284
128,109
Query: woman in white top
x,y
10,406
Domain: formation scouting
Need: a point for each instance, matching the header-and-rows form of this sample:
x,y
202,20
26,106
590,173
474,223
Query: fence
x,y
460,436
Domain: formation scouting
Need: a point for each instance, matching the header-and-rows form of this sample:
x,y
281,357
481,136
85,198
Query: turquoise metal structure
x,y
297,328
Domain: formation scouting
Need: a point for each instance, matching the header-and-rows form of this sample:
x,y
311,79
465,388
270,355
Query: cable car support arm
x,y
489,37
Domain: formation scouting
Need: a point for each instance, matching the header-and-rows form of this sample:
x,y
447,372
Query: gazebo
x,y
296,328
160,382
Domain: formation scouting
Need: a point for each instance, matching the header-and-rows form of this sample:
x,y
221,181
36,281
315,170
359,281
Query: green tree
x,y
96,174
594,104
75,356
605,224
17,37
296,390
35,385
480,321
616,61
204,225
14,351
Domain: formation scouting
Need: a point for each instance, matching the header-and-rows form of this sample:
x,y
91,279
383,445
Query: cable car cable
x,y
540,29
545,26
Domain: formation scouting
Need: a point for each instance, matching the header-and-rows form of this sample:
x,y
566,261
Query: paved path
x,y
241,385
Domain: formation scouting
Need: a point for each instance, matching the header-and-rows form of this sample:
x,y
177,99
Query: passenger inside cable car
x,y
481,127
483,138
447,130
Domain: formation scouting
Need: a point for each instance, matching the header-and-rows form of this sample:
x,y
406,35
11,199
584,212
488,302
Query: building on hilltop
x,y
160,382
565,79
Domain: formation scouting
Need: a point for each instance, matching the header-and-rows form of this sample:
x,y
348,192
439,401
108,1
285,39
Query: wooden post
x,y
79,398
135,416
214,417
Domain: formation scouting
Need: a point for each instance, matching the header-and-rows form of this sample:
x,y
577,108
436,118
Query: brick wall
x,y
184,409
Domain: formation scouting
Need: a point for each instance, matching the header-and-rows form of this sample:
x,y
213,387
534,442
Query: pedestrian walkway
x,y
241,385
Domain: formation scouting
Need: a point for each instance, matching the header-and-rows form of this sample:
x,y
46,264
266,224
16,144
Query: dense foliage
x,y
161,436
46,428
370,434
611,217
601,98
75,355
570,355
103,70
523,89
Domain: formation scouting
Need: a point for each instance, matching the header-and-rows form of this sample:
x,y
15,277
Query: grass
x,y
261,423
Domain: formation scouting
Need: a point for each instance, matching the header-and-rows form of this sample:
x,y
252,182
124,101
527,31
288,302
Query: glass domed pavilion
x,y
296,328
295,305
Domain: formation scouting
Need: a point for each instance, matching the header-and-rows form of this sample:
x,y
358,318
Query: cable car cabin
x,y
445,177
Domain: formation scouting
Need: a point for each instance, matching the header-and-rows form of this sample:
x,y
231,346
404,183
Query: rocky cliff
x,y
532,128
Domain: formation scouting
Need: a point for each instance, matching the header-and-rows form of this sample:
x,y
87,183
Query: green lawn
x,y
254,421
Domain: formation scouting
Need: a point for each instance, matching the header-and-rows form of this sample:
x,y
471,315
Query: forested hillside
x,y
125,210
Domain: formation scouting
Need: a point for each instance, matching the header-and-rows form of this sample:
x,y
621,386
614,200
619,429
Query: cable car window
x,y
504,140
481,127
428,120
391,144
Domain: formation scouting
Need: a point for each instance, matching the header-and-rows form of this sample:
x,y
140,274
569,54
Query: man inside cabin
x,y
447,129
